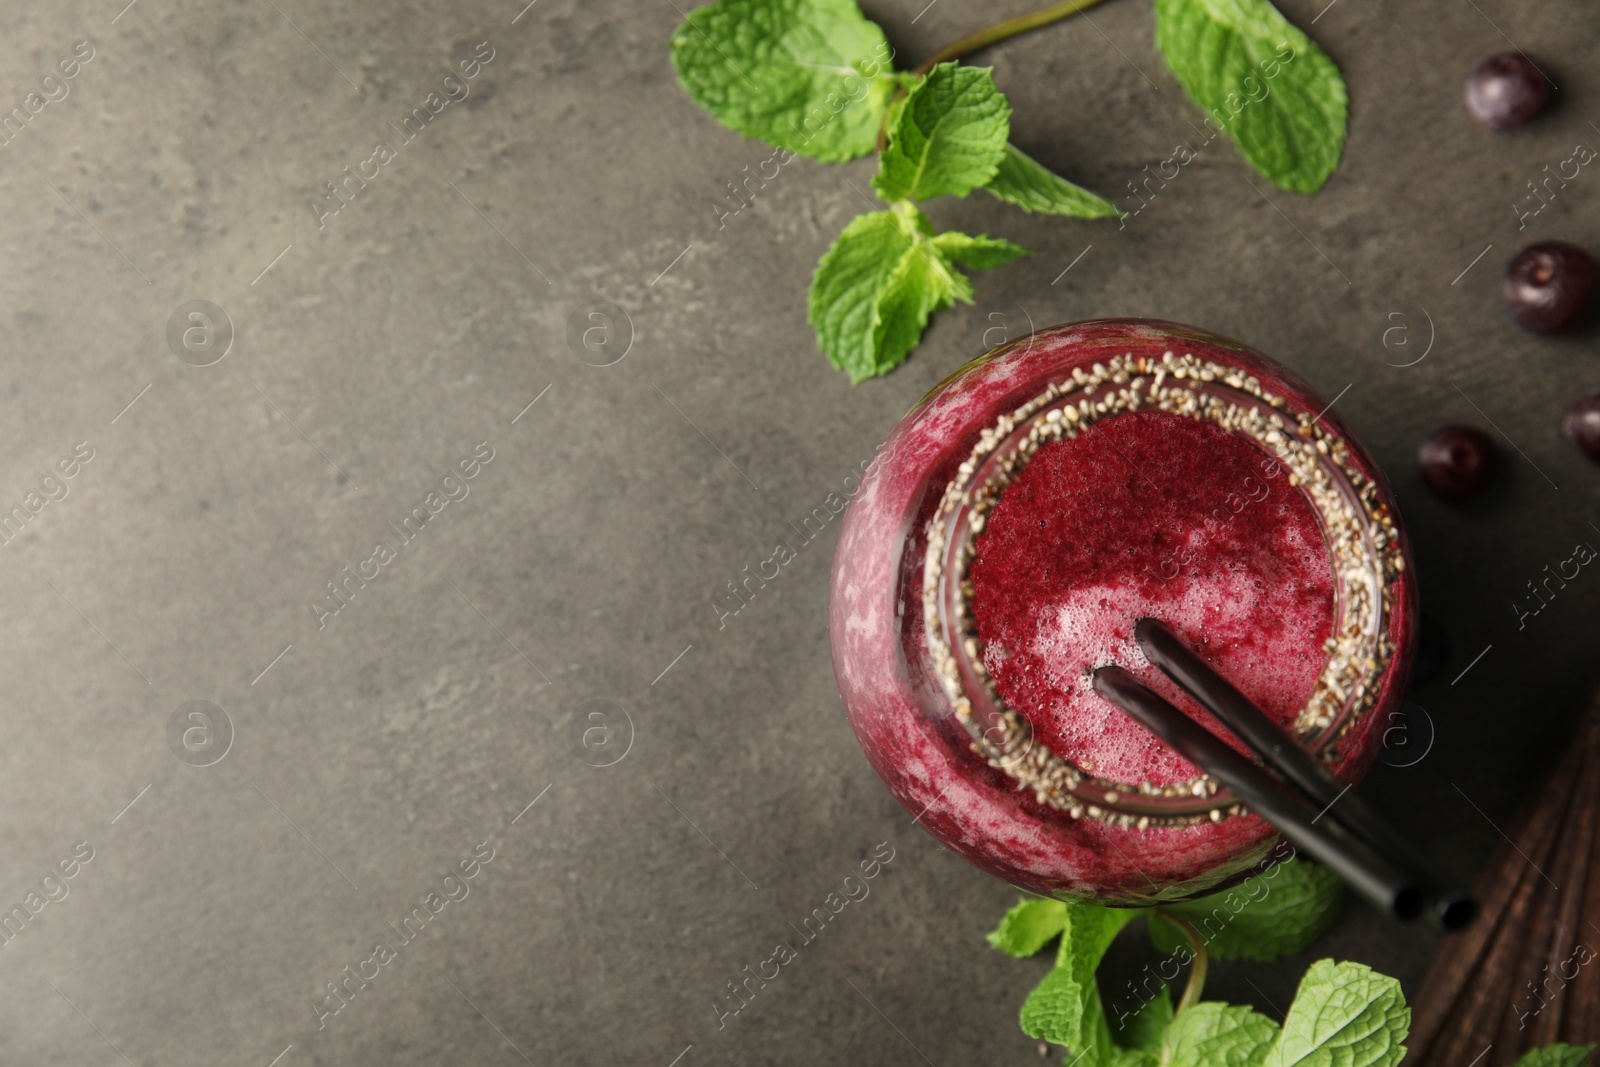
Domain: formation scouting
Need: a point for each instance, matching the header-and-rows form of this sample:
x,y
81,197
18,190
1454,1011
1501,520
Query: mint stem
x,y
1197,970
1000,31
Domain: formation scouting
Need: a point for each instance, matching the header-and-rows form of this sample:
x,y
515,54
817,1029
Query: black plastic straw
x,y
1280,751
1374,877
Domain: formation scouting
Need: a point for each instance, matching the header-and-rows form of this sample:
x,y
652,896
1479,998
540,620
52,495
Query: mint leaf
x,y
811,76
1065,1008
845,288
1263,918
978,253
1054,1010
1344,1015
948,138
1261,80
1029,926
1032,187
1147,1027
923,282
1555,1056
1212,1034
885,275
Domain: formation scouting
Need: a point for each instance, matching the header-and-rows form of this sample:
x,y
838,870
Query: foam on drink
x,y
1148,513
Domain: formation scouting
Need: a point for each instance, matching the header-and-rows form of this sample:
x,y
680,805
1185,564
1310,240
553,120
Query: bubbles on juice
x,y
1084,542
1092,626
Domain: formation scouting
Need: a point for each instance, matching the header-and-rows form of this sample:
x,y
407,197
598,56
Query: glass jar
x,y
911,663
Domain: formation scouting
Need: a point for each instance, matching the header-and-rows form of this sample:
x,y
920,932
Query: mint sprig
x,y
1344,1014
946,138
814,77
876,287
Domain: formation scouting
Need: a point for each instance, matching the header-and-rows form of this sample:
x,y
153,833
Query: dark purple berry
x,y
1458,461
1506,91
1581,423
1549,287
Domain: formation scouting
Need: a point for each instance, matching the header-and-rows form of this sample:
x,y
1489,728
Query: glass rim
x,y
1366,557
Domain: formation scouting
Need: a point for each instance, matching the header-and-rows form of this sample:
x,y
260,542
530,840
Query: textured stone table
x,y
342,764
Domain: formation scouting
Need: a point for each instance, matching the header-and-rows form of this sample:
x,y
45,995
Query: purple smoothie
x,y
1132,512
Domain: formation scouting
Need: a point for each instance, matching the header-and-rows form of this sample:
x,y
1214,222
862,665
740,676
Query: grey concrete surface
x,y
376,348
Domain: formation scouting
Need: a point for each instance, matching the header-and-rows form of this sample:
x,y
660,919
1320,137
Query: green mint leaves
x,y
1556,1056
947,139
1343,1013
811,76
1213,1034
1065,1008
1274,914
1262,81
875,289
1029,927
884,276
1022,182
849,283
814,77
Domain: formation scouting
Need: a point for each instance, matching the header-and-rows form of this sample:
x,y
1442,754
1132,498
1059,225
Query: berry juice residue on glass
x,y
1148,513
